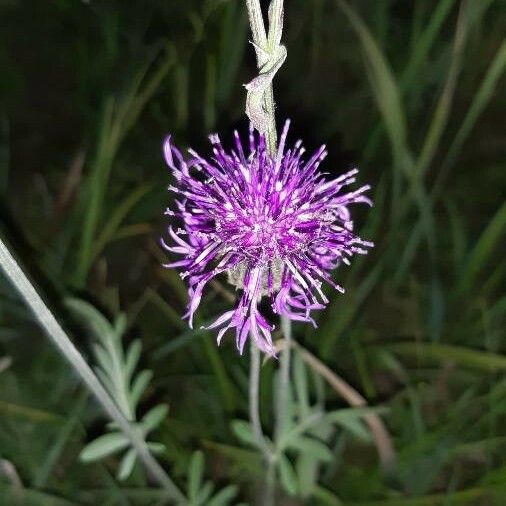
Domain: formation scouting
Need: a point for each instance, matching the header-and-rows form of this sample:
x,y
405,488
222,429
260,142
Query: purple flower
x,y
273,224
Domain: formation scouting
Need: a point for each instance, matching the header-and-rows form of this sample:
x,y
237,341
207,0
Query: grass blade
x,y
481,99
480,254
443,108
44,472
120,213
468,357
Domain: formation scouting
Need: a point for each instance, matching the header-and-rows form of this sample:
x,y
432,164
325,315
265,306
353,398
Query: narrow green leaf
x,y
116,219
425,42
459,239
103,446
177,343
132,358
287,475
326,498
352,420
301,386
382,82
307,474
11,496
443,108
105,380
91,317
57,447
243,432
417,57
154,417
464,356
491,494
219,370
127,465
156,448
355,427
103,358
95,189
480,254
139,385
118,118
310,446
480,100
248,460
120,324
173,315
224,496
205,493
195,475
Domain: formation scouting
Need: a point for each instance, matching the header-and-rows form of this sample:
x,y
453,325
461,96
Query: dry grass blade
x,y
9,471
5,363
70,183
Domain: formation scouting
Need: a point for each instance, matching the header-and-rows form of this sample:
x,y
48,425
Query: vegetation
x,y
399,396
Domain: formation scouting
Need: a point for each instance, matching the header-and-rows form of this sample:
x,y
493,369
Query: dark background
x,y
410,91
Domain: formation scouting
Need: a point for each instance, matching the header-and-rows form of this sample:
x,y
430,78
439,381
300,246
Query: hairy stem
x,y
266,43
55,332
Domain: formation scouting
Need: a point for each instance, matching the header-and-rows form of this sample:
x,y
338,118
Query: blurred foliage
x,y
410,91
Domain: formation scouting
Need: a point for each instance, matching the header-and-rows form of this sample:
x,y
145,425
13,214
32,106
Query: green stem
x,y
55,332
267,42
268,498
254,411
284,379
264,44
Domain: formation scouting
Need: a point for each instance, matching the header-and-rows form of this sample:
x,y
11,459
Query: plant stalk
x,y
266,43
284,379
254,401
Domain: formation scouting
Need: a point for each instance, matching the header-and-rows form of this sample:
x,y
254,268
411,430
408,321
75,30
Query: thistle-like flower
x,y
273,223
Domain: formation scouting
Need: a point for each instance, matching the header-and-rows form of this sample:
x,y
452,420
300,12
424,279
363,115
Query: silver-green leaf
x,y
103,446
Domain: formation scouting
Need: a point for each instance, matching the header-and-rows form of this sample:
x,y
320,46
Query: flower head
x,y
274,224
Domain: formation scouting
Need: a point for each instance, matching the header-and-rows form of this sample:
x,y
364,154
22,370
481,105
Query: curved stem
x,y
55,332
